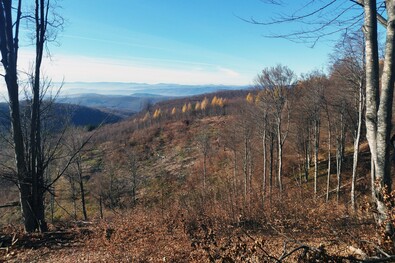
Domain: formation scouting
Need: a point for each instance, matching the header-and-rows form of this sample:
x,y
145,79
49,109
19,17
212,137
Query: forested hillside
x,y
296,168
202,178
76,115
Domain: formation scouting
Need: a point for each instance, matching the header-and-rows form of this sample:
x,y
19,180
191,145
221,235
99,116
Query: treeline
x,y
205,107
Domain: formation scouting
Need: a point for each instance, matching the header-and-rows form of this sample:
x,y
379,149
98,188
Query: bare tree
x,y
340,133
329,170
348,67
379,106
278,81
314,85
302,128
9,51
35,139
76,169
245,133
263,126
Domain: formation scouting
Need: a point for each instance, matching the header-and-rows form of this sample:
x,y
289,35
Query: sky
x,y
194,42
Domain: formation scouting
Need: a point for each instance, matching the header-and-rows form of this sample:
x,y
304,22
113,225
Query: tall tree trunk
x,y
73,196
372,179
308,151
356,145
9,52
338,172
36,170
52,204
379,109
28,148
306,164
280,156
250,172
264,167
328,180
83,202
340,155
316,148
271,148
35,162
82,189
245,168
235,171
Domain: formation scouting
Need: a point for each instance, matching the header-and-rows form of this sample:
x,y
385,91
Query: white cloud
x,y
71,68
229,72
79,68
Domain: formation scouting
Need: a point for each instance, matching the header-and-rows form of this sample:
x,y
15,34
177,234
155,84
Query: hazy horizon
x,y
78,88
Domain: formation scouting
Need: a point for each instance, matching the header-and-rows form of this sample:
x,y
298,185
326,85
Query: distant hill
x,y
78,115
84,116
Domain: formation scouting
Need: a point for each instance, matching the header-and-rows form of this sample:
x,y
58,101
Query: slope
x,y
148,176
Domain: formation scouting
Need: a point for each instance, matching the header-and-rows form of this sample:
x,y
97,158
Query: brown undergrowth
x,y
284,231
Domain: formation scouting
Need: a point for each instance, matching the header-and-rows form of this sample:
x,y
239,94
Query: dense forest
x,y
294,169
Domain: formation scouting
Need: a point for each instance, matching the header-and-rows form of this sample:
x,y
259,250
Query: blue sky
x,y
172,41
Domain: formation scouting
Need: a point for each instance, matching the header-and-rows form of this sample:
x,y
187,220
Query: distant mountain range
x,y
127,98
122,105
137,89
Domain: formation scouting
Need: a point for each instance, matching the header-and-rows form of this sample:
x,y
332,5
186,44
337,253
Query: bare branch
x,y
380,18
12,204
319,20
291,18
71,159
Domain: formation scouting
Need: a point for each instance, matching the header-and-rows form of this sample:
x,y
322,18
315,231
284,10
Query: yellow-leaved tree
x,y
221,102
250,98
204,104
214,101
197,106
157,113
184,108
